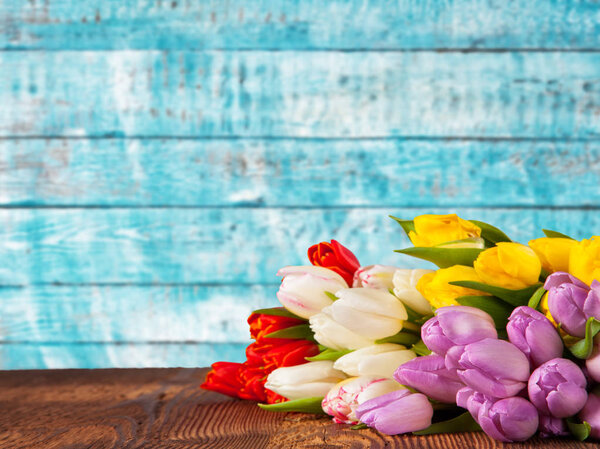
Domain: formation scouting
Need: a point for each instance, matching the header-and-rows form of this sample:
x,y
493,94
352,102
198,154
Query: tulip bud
x,y
377,360
551,426
374,276
397,412
534,335
558,388
436,287
457,325
432,230
336,257
584,260
593,363
312,379
590,412
571,302
331,334
302,290
344,398
371,313
429,375
508,265
405,288
493,367
553,252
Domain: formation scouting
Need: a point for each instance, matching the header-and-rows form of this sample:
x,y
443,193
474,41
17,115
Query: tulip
x,y
473,400
336,257
457,325
429,376
593,363
374,276
302,290
553,252
493,367
397,412
344,398
275,353
312,379
534,335
584,260
558,388
377,360
405,288
590,412
262,324
508,265
331,334
571,302
432,230
551,426
372,313
224,378
436,287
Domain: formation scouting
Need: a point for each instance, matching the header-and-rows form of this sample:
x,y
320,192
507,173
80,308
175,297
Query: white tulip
x,y
405,288
303,288
333,335
312,379
374,276
377,360
344,398
368,312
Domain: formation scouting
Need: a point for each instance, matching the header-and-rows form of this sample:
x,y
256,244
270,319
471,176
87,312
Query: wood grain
x,y
298,172
298,24
300,94
165,409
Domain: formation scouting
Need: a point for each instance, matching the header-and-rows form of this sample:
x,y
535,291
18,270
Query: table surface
x,y
160,408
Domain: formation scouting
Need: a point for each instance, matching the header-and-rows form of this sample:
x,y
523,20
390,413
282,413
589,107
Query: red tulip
x,y
336,257
280,353
261,324
224,377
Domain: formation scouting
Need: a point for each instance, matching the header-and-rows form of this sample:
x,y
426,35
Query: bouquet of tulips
x,y
499,338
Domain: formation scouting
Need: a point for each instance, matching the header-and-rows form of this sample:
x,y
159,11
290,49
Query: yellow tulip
x,y
431,230
508,265
584,260
553,252
436,289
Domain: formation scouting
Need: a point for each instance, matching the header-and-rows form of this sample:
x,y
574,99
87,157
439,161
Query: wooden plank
x,y
224,245
125,355
300,94
157,409
132,314
284,24
300,173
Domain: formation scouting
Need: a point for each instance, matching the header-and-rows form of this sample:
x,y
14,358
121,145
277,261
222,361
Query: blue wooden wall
x,y
160,159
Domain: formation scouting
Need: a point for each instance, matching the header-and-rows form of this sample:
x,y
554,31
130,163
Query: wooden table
x,y
164,408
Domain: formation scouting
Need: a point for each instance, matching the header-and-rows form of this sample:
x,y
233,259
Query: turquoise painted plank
x,y
133,314
292,172
299,24
90,355
300,94
216,245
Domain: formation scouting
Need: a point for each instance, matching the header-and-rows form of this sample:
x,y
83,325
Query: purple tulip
x,y
534,335
551,426
510,419
457,325
495,368
571,302
557,388
397,412
593,363
429,375
591,413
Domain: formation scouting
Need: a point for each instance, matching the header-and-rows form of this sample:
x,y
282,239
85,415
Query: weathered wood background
x,y
159,160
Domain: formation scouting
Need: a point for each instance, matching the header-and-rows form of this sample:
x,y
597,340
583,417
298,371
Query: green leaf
x,y
359,426
498,309
328,354
491,234
304,405
513,297
444,257
581,431
420,349
332,296
401,338
462,423
583,348
473,242
302,331
556,235
278,311
407,225
536,298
